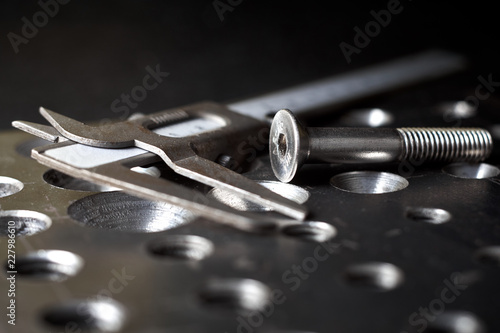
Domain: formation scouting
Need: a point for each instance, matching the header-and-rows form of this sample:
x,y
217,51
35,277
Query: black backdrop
x,y
91,52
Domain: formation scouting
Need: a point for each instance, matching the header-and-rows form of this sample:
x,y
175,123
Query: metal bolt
x,y
291,145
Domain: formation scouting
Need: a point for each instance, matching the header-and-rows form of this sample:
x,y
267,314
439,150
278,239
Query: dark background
x,y
91,52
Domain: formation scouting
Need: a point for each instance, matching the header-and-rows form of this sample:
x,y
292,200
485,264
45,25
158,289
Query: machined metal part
x,y
291,145
393,254
379,245
353,86
120,172
192,156
44,132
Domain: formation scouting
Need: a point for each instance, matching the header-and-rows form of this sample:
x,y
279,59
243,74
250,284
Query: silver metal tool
x,y
353,86
114,168
189,139
193,156
291,145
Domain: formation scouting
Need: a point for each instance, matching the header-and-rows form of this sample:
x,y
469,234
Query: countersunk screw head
x,y
288,144
292,144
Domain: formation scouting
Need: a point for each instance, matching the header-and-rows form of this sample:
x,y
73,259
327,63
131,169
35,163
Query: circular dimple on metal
x,y
292,192
24,149
185,247
235,294
48,265
369,182
370,117
62,180
311,231
103,315
456,322
9,186
23,222
378,276
472,171
428,215
457,110
489,255
122,212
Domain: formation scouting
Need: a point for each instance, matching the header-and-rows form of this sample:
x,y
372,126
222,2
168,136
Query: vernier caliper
x,y
192,139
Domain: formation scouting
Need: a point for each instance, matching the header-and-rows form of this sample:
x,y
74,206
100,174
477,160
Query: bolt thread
x,y
165,118
445,144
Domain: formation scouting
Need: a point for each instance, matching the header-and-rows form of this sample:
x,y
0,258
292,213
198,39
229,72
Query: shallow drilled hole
x,y
9,186
378,276
292,192
369,182
23,222
87,315
472,171
235,294
25,148
372,117
428,215
489,255
457,110
48,265
186,247
456,322
62,180
311,231
123,212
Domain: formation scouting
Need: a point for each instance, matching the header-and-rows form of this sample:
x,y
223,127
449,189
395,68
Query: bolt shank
x,y
354,145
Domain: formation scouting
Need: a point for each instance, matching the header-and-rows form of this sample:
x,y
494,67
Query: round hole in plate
x,y
9,186
311,231
489,255
428,215
48,265
455,322
186,247
103,315
472,171
123,212
62,180
378,276
292,192
24,149
457,110
370,117
235,294
23,222
369,182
